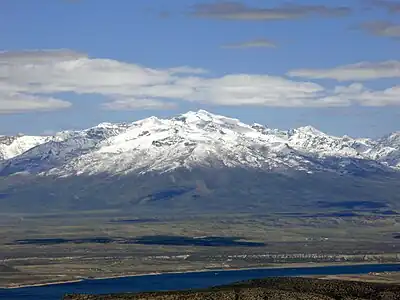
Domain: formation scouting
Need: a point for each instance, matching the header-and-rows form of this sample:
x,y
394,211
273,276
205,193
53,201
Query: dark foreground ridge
x,y
272,288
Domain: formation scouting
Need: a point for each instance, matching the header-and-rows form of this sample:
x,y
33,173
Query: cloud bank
x,y
231,10
31,81
354,72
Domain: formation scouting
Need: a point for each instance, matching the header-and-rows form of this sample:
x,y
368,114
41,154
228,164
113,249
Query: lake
x,y
165,282
164,240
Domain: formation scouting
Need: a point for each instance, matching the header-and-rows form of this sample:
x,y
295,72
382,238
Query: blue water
x,y
213,241
166,282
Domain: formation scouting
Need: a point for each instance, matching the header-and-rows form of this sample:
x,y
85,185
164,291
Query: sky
x,y
72,64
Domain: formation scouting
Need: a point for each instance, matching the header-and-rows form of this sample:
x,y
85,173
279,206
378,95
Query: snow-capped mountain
x,y
194,139
11,146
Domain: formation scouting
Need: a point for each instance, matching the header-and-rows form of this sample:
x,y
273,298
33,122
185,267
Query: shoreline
x,y
40,284
272,266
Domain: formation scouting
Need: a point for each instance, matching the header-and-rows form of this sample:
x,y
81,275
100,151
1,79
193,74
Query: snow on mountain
x,y
199,139
11,146
59,149
387,150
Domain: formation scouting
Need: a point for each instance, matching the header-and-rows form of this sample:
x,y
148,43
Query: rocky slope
x,y
274,288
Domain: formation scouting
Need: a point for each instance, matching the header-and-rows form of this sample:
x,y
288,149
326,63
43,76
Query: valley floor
x,y
46,249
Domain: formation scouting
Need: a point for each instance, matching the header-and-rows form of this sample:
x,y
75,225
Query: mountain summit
x,y
194,140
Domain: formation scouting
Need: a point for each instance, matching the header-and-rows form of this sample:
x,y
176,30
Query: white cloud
x,y
356,93
243,89
38,56
28,74
29,80
354,72
12,103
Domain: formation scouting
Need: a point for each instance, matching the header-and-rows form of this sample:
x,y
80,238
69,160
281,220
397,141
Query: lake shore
x,y
270,266
288,288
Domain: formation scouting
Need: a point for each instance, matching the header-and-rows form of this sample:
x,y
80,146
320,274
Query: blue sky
x,y
73,64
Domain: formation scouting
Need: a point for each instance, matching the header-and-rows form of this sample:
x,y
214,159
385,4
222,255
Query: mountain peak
x,y
200,114
203,117
204,112
310,130
106,125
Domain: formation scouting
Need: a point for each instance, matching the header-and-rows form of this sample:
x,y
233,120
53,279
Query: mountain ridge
x,y
199,162
190,140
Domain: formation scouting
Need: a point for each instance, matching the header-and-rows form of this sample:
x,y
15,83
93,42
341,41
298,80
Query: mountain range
x,y
196,155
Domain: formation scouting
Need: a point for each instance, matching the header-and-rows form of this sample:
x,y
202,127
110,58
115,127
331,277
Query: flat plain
x,y
37,249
